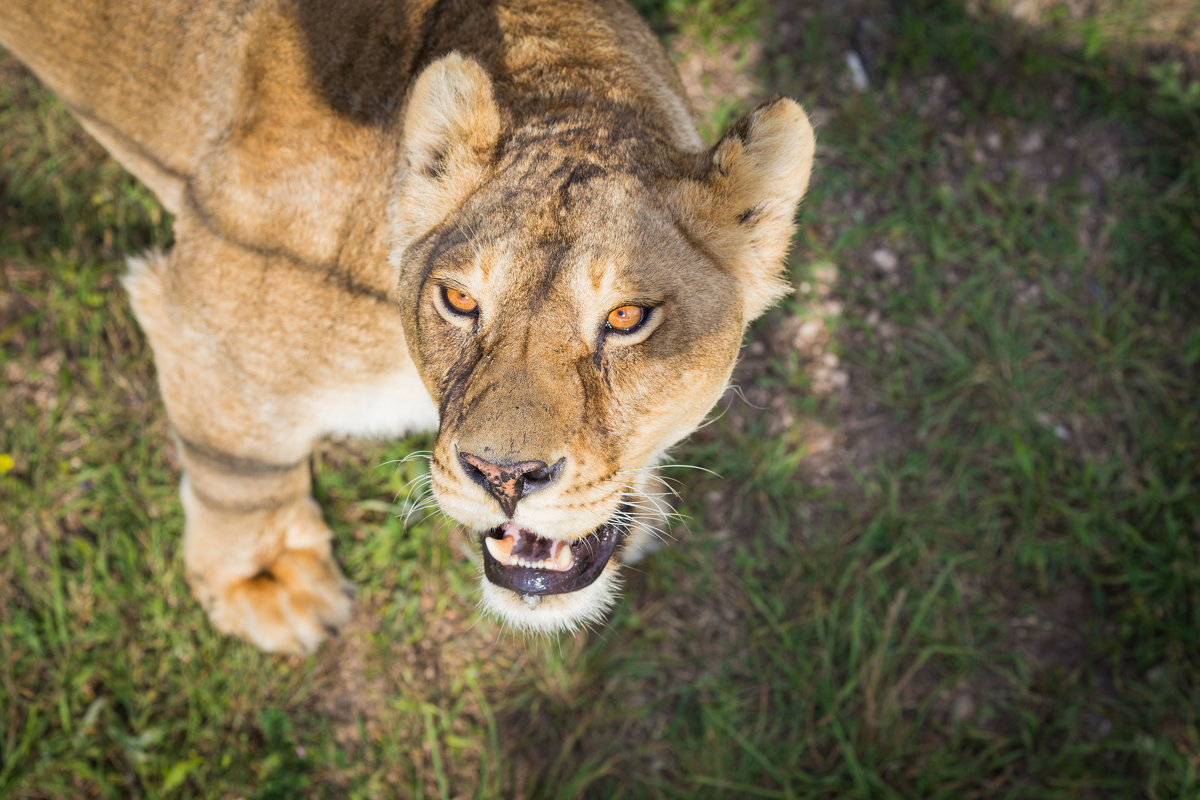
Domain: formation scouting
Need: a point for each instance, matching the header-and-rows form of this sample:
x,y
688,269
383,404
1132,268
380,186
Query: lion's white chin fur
x,y
553,613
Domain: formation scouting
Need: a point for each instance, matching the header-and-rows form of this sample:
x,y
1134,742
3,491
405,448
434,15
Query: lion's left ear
x,y
451,128
741,201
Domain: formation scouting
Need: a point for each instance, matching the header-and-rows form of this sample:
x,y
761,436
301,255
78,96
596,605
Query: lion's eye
x,y
459,302
626,319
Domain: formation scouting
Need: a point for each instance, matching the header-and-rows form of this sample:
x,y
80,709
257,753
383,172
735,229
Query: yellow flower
x,y
6,463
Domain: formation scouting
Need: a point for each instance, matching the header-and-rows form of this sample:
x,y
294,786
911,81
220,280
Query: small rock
x,y
858,73
1031,143
964,707
807,334
826,274
885,259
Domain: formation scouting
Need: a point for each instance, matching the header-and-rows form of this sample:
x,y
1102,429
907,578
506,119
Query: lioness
x,y
492,218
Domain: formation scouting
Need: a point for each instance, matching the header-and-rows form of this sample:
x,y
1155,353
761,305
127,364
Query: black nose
x,y
508,483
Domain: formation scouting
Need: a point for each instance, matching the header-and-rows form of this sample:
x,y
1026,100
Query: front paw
x,y
290,606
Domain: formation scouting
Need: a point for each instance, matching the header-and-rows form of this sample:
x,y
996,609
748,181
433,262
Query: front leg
x,y
257,551
252,355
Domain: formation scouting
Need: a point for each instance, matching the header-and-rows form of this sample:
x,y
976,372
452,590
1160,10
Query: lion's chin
x,y
554,613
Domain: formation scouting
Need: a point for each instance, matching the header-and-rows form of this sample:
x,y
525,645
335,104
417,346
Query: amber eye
x,y
626,318
460,302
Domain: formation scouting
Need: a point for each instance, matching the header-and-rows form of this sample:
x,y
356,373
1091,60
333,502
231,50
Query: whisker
x,y
689,466
424,477
422,502
423,455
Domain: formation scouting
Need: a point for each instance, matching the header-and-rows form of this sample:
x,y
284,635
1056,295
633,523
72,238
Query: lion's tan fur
x,y
331,165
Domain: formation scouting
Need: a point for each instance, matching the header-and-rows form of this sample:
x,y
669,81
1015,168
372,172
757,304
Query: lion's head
x,y
575,292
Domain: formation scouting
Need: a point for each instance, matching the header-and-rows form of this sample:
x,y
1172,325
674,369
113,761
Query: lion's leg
x,y
256,548
257,551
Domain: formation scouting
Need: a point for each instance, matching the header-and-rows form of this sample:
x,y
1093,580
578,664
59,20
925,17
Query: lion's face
x,y
577,333
573,299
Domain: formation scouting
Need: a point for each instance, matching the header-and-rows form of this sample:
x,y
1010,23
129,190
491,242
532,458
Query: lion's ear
x,y
741,201
451,128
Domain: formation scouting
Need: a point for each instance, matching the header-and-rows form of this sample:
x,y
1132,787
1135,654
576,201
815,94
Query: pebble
x,y
885,259
964,707
826,274
807,334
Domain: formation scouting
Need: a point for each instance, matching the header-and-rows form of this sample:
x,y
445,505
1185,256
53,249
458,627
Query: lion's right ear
x,y
451,128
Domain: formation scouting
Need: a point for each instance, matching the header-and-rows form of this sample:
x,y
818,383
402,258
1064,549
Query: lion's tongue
x,y
524,548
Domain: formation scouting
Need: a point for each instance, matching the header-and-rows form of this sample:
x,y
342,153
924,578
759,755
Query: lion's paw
x,y
289,607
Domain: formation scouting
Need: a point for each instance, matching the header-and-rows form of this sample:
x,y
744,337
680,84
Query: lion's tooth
x,y
562,557
498,551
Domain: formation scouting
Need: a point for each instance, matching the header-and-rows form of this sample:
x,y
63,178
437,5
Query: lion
x,y
496,220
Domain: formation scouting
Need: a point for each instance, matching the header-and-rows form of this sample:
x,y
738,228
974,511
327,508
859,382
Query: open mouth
x,y
518,559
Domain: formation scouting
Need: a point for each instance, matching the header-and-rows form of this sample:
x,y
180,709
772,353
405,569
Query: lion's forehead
x,y
579,228
613,140
561,176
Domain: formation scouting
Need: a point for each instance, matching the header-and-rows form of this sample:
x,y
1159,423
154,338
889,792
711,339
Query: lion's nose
x,y
508,483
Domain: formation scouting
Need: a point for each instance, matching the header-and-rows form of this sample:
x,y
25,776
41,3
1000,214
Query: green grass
x,y
973,572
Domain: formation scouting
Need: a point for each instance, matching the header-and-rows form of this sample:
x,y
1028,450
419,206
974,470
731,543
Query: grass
x,y
954,551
